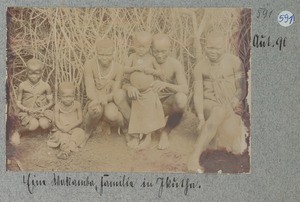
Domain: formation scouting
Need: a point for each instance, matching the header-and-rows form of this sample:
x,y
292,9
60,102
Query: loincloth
x,y
165,95
146,114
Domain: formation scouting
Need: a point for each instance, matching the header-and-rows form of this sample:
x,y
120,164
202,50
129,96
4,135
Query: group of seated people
x,y
147,93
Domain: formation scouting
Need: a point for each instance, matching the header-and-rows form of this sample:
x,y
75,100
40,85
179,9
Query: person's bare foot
x,y
127,137
87,136
133,143
122,130
164,141
193,165
145,141
63,155
104,128
73,147
15,138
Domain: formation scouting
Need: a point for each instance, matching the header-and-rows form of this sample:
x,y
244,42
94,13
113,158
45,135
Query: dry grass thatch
x,y
63,38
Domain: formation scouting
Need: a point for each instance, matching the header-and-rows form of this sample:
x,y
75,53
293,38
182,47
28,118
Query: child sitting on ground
x,y
34,98
146,111
68,116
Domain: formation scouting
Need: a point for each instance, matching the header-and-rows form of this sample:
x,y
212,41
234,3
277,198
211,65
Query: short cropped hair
x,y
33,62
143,36
161,37
215,33
66,85
104,43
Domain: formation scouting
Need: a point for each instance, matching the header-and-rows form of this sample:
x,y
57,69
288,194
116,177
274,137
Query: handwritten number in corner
x,y
286,18
263,13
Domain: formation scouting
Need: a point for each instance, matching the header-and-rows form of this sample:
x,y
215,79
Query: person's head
x,y
105,51
142,42
215,46
161,47
34,69
67,93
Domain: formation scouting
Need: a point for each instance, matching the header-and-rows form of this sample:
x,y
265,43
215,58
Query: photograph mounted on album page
x,y
150,100
128,89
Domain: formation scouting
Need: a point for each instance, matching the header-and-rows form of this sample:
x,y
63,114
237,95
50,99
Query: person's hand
x,y
234,103
237,106
137,69
239,109
30,110
133,92
69,128
34,110
148,71
94,107
41,110
103,100
65,129
158,86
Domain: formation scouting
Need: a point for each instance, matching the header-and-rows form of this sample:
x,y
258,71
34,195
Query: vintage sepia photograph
x,y
128,90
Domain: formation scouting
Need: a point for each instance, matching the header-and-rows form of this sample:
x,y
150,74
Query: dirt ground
x,y
109,153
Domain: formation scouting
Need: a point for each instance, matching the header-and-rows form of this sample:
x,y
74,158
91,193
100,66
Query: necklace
x,y
33,86
66,109
101,76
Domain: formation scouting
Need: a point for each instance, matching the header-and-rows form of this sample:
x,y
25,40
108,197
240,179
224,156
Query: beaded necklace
x,y
101,76
68,109
33,86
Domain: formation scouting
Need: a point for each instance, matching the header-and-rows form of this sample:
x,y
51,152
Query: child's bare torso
x,y
34,96
139,79
68,116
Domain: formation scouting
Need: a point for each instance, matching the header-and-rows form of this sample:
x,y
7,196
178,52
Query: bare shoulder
x,y
233,59
23,85
150,57
118,67
77,104
89,62
131,56
46,84
175,64
174,61
202,66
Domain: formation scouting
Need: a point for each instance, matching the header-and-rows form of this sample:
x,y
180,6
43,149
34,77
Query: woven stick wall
x,y
63,38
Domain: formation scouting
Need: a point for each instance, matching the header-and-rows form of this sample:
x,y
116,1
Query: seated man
x,y
102,78
172,88
219,91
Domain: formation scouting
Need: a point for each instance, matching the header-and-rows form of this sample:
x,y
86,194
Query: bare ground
x,y
109,153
